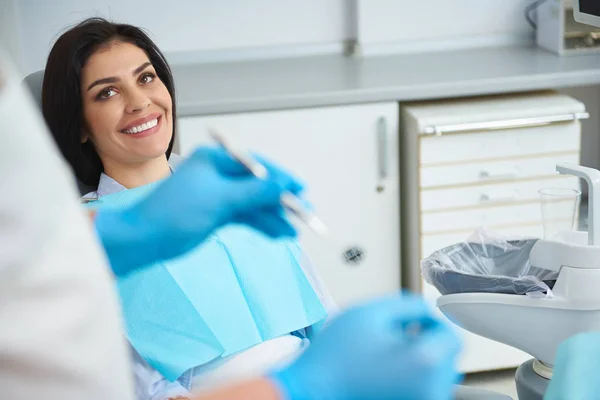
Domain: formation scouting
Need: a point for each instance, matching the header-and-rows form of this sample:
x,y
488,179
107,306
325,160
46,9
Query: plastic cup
x,y
559,209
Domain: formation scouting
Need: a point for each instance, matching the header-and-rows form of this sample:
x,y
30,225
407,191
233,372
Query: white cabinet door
x,y
341,153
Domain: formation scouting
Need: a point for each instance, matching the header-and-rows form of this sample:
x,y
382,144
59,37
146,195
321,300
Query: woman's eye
x,y
147,77
106,94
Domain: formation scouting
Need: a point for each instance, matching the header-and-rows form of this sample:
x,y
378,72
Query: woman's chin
x,y
158,153
151,148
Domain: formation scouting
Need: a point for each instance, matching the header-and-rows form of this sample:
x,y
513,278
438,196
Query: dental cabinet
x,y
475,162
347,156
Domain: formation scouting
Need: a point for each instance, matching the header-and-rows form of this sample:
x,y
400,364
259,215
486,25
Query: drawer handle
x,y
439,130
486,175
382,153
487,198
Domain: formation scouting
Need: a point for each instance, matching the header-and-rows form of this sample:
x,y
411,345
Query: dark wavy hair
x,y
61,94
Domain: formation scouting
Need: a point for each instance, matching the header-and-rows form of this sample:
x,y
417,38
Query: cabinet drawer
x,y
462,148
492,217
432,243
491,194
489,171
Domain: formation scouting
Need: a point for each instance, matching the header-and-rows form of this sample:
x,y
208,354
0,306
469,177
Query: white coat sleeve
x,y
60,335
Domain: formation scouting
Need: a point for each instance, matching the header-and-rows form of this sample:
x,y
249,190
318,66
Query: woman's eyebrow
x,y
113,79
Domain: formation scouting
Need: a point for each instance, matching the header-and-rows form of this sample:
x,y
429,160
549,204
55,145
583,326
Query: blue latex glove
x,y
367,353
208,190
576,368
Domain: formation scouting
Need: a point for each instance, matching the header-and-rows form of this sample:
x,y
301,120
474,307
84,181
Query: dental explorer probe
x,y
288,200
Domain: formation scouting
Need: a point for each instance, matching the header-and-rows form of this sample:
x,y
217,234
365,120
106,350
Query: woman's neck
x,y
132,175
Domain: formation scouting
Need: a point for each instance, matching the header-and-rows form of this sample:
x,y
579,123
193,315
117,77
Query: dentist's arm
x,y
364,354
258,389
208,191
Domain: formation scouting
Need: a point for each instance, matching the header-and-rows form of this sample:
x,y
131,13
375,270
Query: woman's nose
x,y
137,100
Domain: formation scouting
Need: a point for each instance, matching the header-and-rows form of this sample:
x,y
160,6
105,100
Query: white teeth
x,y
142,127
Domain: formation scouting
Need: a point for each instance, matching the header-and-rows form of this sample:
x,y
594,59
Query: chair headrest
x,y
34,82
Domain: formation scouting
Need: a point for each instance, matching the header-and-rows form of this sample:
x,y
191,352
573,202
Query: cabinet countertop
x,y
261,85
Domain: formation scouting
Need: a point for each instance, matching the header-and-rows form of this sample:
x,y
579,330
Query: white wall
x,y
243,26
189,25
439,24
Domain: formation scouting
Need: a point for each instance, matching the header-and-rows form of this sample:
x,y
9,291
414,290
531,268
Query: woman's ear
x,y
84,137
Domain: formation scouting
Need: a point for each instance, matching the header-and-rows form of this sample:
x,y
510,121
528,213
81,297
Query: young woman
x,y
109,100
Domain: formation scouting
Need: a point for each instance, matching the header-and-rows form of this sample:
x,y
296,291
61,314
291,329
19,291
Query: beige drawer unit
x,y
480,162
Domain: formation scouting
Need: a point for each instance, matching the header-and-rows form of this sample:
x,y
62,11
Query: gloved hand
x,y
576,369
369,353
208,190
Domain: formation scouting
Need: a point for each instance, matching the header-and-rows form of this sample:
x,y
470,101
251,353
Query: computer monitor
x,y
587,12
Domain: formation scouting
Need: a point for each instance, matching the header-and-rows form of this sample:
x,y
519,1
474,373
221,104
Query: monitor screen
x,y
590,7
587,11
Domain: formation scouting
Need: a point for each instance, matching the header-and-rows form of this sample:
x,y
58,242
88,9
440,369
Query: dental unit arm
x,y
574,248
592,178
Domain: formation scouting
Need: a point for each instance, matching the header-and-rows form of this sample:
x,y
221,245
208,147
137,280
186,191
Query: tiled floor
x,y
498,381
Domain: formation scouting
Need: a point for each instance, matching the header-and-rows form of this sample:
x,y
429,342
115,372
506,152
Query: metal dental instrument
x,y
288,200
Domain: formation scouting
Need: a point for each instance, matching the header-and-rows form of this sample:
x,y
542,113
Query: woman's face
x,y
127,109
